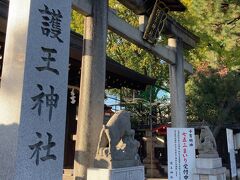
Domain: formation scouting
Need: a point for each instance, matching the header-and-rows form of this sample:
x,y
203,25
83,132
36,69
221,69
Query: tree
x,y
134,58
130,55
213,95
213,90
217,24
77,22
139,60
127,53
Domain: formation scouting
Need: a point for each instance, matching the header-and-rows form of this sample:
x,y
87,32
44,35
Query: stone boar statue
x,y
117,144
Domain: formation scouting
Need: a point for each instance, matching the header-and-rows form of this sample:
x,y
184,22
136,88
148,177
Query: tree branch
x,y
234,20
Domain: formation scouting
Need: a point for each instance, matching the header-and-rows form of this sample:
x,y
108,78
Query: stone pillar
x,y
91,100
11,88
34,89
177,85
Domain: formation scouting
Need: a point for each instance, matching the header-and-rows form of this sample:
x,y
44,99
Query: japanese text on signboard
x,y
47,98
181,157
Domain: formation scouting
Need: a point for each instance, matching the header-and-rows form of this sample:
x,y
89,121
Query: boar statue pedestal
x,y
208,165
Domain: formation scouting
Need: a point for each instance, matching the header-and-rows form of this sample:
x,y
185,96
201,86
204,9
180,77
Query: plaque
x,y
156,22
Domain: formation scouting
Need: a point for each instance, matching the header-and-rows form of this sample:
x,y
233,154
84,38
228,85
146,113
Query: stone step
x,y
149,166
152,173
66,177
68,174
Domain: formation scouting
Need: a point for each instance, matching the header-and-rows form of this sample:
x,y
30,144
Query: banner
x,y
181,153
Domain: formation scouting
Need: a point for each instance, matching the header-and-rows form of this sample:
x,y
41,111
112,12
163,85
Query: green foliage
x,y
213,91
127,53
77,23
217,24
213,95
133,57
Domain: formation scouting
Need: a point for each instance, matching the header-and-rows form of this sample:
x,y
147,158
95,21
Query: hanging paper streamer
x,y
73,97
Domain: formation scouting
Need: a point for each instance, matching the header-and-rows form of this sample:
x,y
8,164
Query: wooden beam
x,y
172,27
188,67
130,33
137,6
82,6
133,35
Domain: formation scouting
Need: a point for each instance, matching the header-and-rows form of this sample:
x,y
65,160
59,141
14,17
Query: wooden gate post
x,y
177,85
92,86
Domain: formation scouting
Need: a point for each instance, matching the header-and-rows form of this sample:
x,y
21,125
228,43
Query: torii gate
x,y
96,13
98,19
